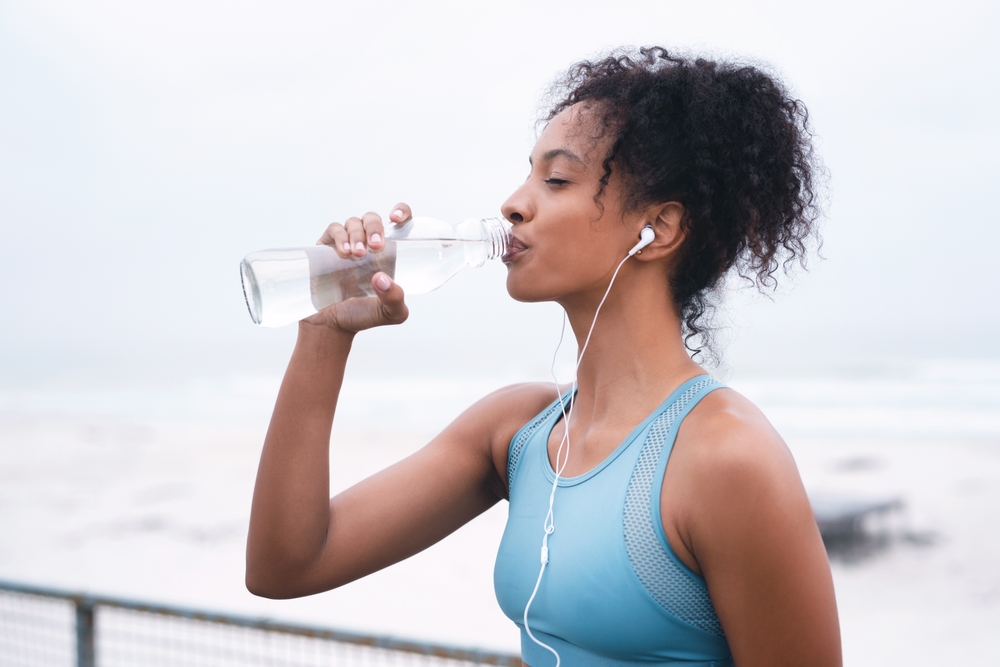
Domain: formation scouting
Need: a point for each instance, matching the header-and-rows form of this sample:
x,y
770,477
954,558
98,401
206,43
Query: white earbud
x,y
646,237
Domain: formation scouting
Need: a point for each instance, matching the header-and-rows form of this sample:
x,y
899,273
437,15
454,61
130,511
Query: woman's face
x,y
566,243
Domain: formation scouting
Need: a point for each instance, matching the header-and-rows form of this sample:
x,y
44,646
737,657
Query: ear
x,y
667,222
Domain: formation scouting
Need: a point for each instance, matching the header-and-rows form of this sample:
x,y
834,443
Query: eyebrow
x,y
560,152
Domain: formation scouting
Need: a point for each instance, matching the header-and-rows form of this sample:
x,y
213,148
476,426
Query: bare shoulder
x,y
497,417
735,509
727,434
729,474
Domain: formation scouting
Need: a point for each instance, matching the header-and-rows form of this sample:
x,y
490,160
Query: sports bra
x,y
614,593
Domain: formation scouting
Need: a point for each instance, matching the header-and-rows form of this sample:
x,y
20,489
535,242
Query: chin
x,y
526,291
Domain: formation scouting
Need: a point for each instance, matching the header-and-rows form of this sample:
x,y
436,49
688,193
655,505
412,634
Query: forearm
x,y
290,514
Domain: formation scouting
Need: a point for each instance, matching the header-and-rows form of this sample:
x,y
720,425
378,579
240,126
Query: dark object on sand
x,y
855,528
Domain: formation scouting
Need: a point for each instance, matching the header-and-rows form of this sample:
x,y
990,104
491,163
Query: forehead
x,y
571,133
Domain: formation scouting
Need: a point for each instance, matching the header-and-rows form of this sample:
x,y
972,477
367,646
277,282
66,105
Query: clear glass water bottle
x,y
285,285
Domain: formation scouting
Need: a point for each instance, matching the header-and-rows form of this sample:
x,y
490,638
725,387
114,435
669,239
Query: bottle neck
x,y
486,239
496,236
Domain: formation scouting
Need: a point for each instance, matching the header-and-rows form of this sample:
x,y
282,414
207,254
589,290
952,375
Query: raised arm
x,y
300,540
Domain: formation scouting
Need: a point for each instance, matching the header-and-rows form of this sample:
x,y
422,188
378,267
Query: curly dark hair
x,y
728,142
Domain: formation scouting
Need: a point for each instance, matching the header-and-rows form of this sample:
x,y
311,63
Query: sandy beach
x,y
155,507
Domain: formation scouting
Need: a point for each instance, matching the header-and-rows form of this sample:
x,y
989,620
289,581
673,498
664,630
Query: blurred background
x,y
146,148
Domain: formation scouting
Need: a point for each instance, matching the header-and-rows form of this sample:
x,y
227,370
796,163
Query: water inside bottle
x,y
418,265
276,286
423,265
282,286
333,278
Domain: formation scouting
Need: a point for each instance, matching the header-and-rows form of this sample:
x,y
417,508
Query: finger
x,y
390,296
374,233
336,236
401,213
356,236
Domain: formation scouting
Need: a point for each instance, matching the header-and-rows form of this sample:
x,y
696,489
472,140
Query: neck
x,y
636,353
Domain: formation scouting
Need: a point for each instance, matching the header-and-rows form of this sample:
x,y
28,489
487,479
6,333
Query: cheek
x,y
553,271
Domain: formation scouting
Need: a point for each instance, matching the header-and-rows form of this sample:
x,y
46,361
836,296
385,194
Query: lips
x,y
514,248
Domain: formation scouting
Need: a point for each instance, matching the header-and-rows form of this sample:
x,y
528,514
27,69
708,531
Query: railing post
x,y
85,656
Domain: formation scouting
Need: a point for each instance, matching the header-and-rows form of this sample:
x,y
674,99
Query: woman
x,y
713,559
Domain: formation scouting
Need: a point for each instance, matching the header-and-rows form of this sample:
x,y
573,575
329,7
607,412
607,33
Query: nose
x,y
518,207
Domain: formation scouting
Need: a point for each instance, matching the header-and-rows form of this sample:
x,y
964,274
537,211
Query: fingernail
x,y
376,238
347,247
382,282
359,246
398,213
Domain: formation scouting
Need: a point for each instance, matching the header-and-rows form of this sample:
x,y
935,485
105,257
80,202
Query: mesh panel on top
x,y
675,589
517,446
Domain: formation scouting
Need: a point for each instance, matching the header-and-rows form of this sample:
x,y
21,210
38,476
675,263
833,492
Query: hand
x,y
353,238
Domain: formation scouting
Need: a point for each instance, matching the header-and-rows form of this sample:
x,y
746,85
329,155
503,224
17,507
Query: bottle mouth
x,y
497,235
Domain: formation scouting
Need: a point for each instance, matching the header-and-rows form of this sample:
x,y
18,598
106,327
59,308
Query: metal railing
x,y
45,626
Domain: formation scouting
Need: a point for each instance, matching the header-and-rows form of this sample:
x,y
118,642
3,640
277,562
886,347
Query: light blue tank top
x,y
614,593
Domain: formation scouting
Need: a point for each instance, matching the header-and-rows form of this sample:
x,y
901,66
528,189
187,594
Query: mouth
x,y
514,248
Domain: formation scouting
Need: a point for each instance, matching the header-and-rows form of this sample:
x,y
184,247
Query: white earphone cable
x,y
561,461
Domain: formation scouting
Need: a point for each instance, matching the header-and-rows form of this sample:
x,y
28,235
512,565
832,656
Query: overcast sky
x,y
146,147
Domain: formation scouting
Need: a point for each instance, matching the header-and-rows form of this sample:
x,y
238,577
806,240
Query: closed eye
x,y
556,181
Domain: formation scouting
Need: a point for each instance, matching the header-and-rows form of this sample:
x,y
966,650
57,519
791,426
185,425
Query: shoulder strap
x,y
521,438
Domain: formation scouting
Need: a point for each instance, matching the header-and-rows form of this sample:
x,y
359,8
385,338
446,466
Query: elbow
x,y
274,590
262,591
265,582
263,587
276,585
266,576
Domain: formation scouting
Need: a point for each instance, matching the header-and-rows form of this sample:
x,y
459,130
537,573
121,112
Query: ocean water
x,y
914,399
144,491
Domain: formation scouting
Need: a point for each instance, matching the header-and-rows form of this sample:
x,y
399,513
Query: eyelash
x,y
556,181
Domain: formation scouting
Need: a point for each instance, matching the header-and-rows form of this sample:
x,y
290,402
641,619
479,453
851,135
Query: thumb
x,y
390,297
